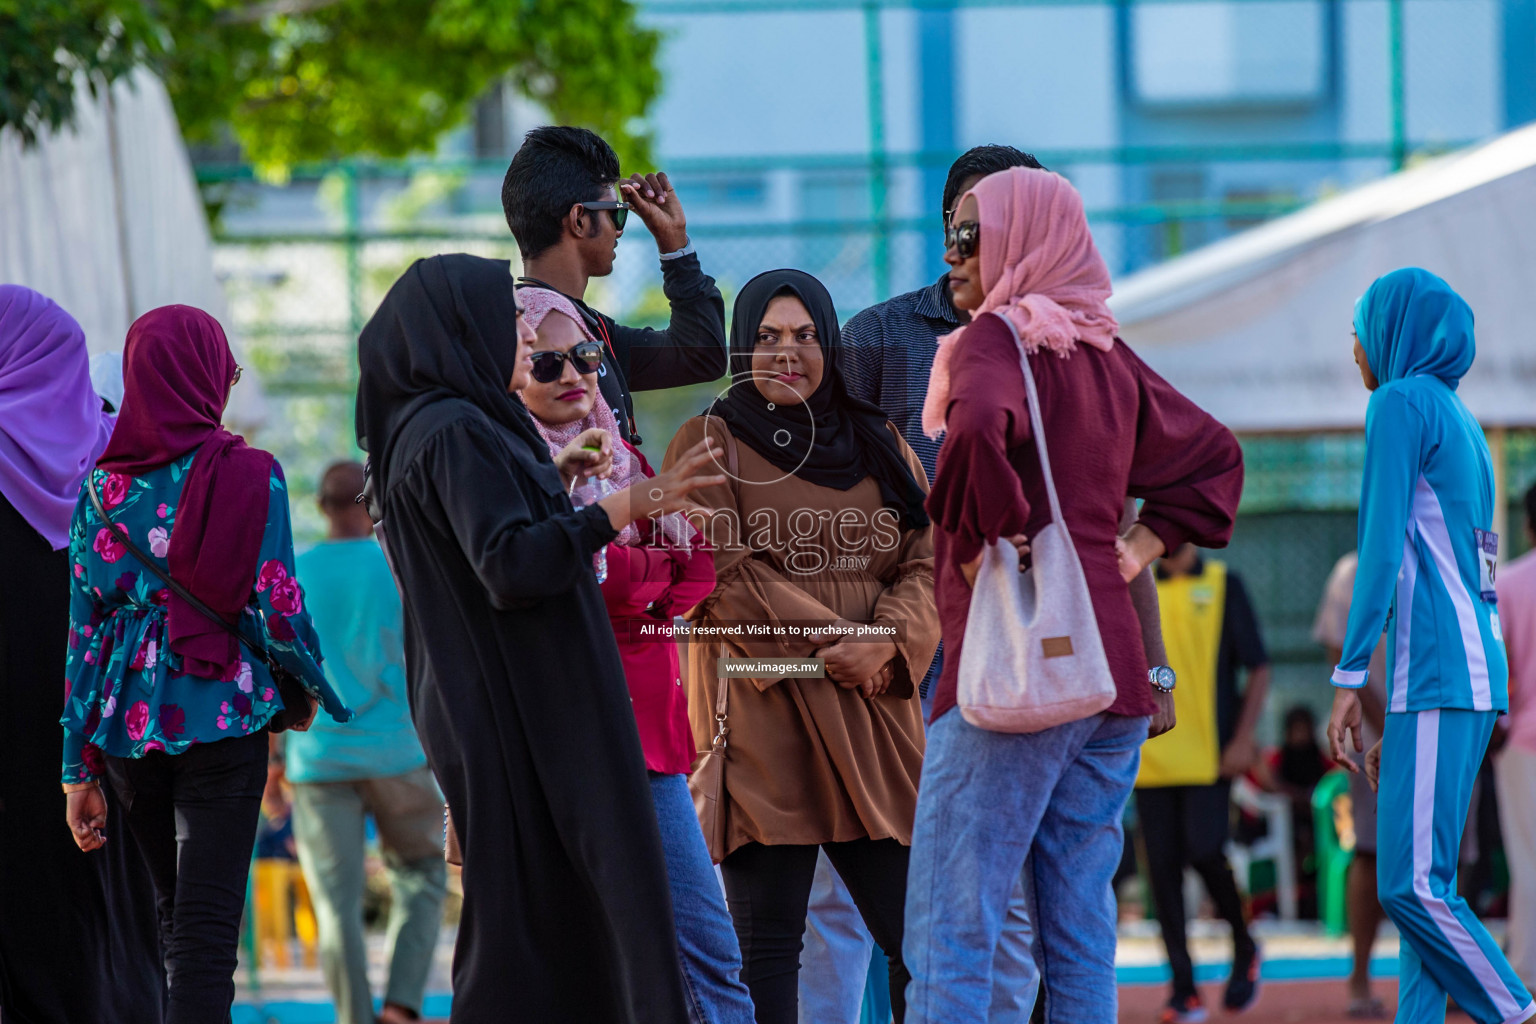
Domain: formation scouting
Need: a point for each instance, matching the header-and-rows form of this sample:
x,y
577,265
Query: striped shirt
x,y
1425,506
888,352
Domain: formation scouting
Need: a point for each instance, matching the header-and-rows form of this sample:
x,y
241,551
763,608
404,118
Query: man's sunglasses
x,y
619,211
963,238
548,366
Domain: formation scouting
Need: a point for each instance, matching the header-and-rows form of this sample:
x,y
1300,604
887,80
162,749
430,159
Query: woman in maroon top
x,y
1019,249
655,570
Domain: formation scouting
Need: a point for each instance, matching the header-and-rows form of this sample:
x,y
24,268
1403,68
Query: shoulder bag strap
x,y
722,692
176,588
1037,426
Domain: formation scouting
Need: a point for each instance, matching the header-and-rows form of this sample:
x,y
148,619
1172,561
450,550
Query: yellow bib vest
x,y
1192,609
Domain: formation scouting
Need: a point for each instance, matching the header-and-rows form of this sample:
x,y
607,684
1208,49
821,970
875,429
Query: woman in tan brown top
x,y
818,531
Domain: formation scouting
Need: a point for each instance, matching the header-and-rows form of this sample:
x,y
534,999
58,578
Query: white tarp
x,y
1256,328
104,218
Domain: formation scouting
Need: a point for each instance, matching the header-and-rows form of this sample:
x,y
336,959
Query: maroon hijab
x,y
177,372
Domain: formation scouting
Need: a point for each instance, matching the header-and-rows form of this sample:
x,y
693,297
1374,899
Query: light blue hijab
x,y
1411,323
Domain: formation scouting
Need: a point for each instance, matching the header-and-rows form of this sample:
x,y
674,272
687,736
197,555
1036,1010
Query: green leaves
x,y
46,44
306,80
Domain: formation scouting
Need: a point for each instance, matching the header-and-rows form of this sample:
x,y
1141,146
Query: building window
x,y
724,191
1257,52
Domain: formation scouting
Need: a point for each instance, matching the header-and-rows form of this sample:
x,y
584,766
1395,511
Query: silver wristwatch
x,y
1162,678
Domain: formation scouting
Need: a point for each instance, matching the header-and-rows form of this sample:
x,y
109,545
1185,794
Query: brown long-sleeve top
x,y
810,762
1113,428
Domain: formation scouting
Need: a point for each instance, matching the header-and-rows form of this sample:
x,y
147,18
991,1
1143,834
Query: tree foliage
x,y
303,80
46,44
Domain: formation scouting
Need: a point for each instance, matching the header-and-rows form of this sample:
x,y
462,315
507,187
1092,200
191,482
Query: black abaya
x,y
516,685
78,933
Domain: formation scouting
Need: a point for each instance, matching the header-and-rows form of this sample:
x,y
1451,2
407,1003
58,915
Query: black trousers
x,y
193,816
77,930
1187,826
768,889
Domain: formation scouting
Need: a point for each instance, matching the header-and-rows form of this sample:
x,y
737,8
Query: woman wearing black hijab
x,y
516,685
819,531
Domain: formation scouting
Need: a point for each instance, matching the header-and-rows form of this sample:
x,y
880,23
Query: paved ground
x,y
1303,972
1290,1002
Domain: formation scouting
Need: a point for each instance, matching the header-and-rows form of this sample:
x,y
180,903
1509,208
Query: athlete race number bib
x,y
1487,560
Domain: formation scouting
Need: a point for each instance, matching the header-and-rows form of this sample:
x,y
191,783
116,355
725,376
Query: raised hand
x,y
668,490
652,198
576,460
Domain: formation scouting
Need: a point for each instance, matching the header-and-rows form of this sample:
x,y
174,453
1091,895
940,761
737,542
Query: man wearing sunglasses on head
x,y
567,208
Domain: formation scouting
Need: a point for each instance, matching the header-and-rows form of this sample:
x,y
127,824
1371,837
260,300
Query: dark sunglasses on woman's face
x,y
619,211
963,238
586,357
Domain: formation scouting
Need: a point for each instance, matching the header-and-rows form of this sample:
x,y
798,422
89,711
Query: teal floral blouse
x,y
125,694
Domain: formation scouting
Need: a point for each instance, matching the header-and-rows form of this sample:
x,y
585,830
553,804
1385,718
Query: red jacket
x,y
646,587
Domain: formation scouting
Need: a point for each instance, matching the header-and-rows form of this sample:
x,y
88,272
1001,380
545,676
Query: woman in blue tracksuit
x,y
1426,577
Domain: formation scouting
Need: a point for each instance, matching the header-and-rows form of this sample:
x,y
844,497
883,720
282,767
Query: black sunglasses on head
x,y
586,357
618,210
963,238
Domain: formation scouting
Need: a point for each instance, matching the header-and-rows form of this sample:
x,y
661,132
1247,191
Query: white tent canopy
x,y
104,218
1256,328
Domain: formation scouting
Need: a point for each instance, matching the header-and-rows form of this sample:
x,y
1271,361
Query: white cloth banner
x,y
1256,328
105,219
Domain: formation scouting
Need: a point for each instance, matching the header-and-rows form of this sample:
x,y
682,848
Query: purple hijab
x,y
52,426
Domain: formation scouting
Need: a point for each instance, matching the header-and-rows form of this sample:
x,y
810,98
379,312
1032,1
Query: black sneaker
x,y
1243,986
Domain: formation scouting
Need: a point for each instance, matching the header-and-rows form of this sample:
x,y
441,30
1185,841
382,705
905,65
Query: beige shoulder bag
x,y
1033,656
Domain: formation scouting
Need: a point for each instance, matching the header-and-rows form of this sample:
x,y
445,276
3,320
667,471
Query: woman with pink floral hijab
x,y
159,699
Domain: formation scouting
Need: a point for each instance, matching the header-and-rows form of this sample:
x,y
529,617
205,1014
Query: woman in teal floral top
x,y
126,692
160,700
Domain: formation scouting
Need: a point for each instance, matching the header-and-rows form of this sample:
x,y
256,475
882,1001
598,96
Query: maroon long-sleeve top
x,y
1113,428
646,585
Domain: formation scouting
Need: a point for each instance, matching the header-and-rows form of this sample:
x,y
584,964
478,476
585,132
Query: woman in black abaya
x,y
78,934
516,684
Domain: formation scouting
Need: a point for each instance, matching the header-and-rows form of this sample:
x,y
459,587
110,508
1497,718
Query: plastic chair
x,y
1335,849
1276,846
281,910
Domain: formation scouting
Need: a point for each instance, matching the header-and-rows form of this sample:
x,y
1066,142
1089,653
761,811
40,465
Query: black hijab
x,y
834,439
447,329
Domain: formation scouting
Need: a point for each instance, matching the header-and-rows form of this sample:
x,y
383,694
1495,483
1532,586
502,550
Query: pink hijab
x,y
538,303
1040,269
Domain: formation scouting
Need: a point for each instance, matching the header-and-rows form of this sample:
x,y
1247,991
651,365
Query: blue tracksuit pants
x,y
1429,760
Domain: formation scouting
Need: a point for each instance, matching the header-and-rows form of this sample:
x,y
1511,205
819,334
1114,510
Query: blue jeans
x,y
834,960
706,940
838,947
987,800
